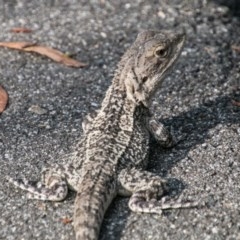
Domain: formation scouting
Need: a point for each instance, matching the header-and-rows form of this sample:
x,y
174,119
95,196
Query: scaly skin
x,y
112,156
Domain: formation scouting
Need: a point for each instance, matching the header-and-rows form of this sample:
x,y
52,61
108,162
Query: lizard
x,y
112,156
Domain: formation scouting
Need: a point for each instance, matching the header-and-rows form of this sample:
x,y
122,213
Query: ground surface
x,y
196,100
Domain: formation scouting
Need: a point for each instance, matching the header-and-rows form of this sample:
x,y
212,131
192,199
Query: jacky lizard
x,y
112,156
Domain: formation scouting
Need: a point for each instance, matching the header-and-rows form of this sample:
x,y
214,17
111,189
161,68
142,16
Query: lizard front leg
x,y
160,133
88,119
146,189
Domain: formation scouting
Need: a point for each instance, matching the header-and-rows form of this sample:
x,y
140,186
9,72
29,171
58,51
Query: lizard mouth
x,y
178,41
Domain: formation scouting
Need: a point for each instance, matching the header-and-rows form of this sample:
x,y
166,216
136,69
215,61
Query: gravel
x,y
48,102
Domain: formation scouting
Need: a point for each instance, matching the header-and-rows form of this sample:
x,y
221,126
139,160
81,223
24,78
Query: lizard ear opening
x,y
144,79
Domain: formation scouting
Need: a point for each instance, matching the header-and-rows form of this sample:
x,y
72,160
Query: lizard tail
x,y
92,201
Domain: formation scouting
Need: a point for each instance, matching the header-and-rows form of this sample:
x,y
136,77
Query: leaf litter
x,y
51,53
21,30
3,99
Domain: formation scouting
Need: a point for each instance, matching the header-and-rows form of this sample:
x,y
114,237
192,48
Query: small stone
x,y
127,5
37,109
161,14
103,34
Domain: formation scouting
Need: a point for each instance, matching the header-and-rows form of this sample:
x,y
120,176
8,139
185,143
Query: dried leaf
x,y
210,51
46,51
3,99
235,103
21,30
16,45
55,55
236,48
66,220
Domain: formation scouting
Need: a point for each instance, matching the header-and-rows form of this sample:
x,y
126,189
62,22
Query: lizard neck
x,y
119,111
116,96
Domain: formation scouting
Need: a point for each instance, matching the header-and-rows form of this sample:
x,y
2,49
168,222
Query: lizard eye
x,y
161,52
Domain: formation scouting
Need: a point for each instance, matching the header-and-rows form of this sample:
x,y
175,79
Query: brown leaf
x,y
3,99
16,45
55,55
210,51
46,51
66,220
236,48
21,30
236,103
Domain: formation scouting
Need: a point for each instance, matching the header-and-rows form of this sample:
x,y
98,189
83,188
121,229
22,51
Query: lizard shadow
x,y
195,124
233,6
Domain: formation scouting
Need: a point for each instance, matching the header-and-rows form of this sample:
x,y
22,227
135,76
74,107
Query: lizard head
x,y
153,55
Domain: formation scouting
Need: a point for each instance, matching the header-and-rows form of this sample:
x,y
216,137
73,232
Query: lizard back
x,y
118,138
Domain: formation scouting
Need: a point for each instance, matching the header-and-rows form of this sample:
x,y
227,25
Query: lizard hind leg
x,y
146,189
53,186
